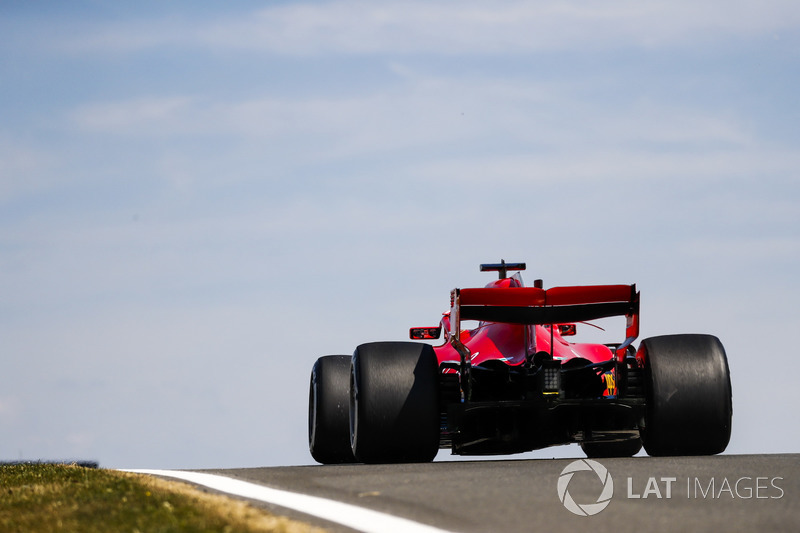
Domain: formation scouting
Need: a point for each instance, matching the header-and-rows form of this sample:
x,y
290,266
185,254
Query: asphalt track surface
x,y
727,493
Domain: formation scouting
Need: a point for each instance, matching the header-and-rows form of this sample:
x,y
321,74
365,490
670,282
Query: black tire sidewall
x,y
394,405
328,410
688,395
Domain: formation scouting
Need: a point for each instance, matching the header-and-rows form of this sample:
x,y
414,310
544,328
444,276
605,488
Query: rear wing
x,y
558,305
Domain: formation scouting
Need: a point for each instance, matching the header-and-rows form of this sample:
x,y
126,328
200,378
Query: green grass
x,y
44,498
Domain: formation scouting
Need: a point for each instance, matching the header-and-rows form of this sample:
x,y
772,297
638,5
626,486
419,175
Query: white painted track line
x,y
346,514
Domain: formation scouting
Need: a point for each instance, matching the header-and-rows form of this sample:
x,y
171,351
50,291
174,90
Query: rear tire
x,y
688,395
329,410
623,448
394,403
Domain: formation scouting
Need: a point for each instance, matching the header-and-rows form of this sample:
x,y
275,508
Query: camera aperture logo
x,y
585,509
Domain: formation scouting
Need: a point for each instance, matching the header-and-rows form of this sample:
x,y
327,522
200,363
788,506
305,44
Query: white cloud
x,y
153,116
422,112
448,27
614,167
24,169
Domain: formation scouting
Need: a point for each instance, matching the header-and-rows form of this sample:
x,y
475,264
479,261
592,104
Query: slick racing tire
x,y
622,448
329,410
394,403
688,395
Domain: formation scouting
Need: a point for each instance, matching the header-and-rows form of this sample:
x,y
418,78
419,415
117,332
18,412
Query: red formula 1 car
x,y
514,383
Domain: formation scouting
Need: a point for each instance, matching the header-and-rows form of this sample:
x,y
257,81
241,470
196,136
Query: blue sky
x,y
199,199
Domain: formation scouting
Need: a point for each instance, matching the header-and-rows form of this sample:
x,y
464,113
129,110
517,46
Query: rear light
x,y
425,333
550,377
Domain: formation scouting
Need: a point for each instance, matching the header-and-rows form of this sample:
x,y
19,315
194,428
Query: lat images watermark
x,y
660,487
742,488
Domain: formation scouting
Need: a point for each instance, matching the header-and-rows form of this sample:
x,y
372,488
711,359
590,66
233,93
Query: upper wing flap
x,y
532,297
